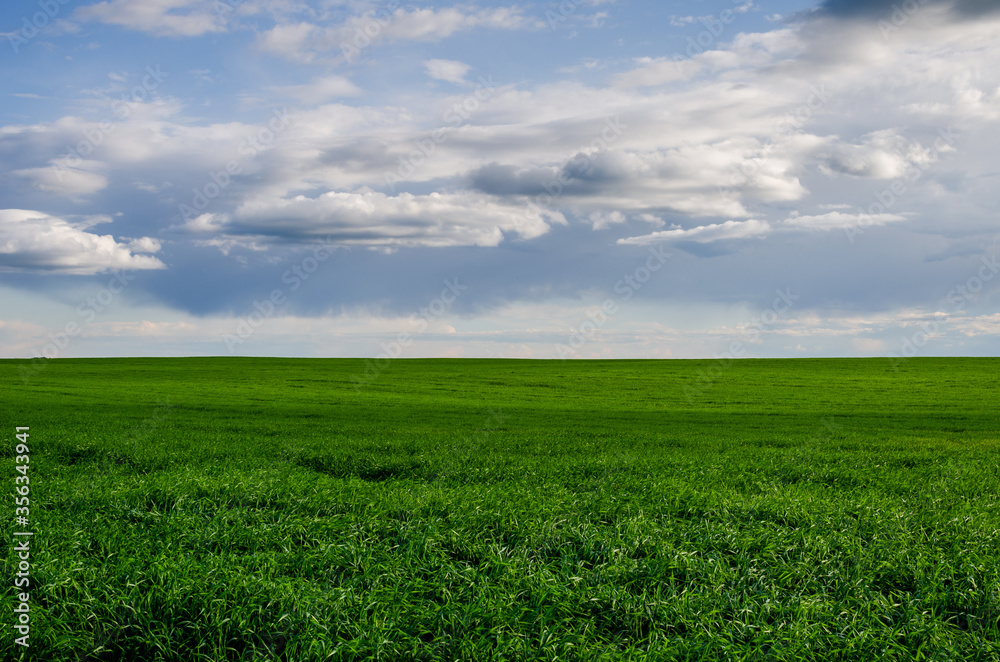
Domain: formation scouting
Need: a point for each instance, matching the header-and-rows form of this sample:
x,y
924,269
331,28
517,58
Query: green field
x,y
266,509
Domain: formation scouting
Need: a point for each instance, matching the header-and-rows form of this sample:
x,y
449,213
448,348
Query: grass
x,y
266,509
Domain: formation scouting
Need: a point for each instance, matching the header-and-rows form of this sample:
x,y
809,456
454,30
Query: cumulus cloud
x,y
374,219
447,70
34,241
603,220
144,245
288,39
687,179
70,182
883,154
171,18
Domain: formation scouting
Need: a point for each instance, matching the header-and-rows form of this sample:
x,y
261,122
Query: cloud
x,y
704,234
875,8
883,154
603,220
288,40
34,241
745,51
436,24
658,71
686,179
319,90
144,245
169,18
838,220
677,161
70,182
447,70
346,40
373,219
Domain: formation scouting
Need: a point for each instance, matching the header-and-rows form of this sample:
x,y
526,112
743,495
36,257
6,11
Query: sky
x,y
553,180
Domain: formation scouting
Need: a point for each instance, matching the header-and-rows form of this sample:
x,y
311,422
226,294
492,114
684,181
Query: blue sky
x,y
576,179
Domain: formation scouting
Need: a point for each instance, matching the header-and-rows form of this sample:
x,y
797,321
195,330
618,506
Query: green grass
x,y
266,509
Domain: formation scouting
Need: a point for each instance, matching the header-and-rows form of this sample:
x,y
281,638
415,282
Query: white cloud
x,y
144,245
602,220
374,219
171,18
319,90
34,241
838,220
65,181
658,71
306,42
207,222
436,24
705,233
883,154
447,70
744,52
288,40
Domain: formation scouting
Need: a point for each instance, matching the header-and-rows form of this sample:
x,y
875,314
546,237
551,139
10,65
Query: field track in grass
x,y
276,509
